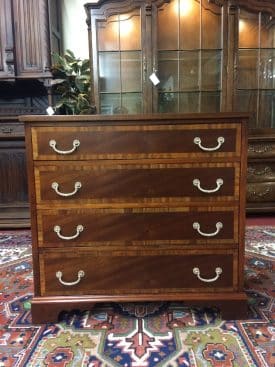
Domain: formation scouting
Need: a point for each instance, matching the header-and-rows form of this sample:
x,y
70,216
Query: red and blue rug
x,y
137,335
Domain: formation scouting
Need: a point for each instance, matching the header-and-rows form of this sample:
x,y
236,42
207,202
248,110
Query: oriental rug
x,y
138,335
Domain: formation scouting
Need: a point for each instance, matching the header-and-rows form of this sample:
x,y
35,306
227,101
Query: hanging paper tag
x,y
154,79
50,111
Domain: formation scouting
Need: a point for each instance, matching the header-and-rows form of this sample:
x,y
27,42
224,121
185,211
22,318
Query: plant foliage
x,y
72,82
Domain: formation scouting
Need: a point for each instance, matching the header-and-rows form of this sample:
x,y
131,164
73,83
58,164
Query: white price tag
x,y
154,79
50,111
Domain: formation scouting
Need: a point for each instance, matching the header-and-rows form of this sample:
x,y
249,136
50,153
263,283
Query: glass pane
x,y
247,70
120,32
121,103
267,31
131,71
107,33
211,19
168,102
246,101
131,103
189,70
211,70
267,109
130,32
267,69
248,30
189,102
108,103
168,19
109,71
189,11
168,71
210,102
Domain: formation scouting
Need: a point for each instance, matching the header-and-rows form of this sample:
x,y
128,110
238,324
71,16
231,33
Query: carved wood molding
x,y
258,192
266,6
260,148
107,8
218,2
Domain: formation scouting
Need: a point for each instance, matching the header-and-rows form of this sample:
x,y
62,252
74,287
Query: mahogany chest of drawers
x,y
137,208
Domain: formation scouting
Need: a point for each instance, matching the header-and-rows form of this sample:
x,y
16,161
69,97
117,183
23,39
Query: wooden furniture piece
x,y
29,32
209,56
14,205
137,208
261,171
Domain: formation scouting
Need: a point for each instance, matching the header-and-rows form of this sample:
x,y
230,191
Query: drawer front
x,y
11,130
137,227
128,142
77,272
122,183
261,172
261,192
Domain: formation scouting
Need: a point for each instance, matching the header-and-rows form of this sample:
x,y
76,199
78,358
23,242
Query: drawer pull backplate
x,y
57,230
218,272
55,186
220,141
197,183
197,226
80,275
52,144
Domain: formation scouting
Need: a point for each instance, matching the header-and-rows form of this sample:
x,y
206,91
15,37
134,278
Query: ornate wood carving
x,y
262,171
258,192
266,6
107,8
260,148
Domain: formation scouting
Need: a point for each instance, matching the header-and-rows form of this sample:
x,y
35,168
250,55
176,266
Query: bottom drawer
x,y
132,272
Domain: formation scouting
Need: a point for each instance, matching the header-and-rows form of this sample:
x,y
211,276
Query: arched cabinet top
x,y
107,8
265,6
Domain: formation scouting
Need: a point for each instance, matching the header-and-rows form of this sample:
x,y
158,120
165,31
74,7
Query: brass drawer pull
x,y
220,141
80,275
55,186
218,272
52,144
197,183
57,230
219,226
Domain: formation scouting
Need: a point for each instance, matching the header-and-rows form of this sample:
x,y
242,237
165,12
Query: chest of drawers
x,y
137,208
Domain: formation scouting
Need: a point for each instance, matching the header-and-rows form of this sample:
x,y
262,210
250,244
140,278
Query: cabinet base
x,y
47,309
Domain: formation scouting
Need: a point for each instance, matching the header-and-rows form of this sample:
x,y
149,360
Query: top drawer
x,y
132,142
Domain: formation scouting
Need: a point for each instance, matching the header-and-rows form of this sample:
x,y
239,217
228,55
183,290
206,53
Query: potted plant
x,y
72,84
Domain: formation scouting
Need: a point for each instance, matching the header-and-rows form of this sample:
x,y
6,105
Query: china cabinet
x,y
187,56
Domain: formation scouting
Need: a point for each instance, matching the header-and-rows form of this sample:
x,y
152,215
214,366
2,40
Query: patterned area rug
x,y
148,334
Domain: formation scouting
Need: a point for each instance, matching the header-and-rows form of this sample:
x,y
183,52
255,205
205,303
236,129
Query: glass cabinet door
x,y
189,53
119,63
255,71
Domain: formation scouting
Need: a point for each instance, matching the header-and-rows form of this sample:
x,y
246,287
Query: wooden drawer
x,y
261,192
138,227
120,272
12,130
135,183
259,172
128,142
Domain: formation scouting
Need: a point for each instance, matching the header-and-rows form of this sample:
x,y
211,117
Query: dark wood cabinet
x,y
29,32
27,38
207,55
14,206
261,171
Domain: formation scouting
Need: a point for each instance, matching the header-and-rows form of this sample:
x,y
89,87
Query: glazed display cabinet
x,y
188,56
